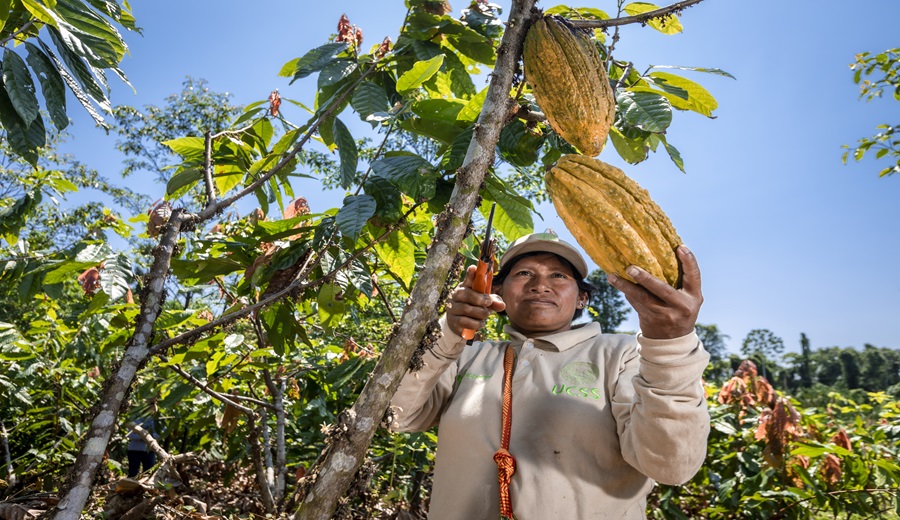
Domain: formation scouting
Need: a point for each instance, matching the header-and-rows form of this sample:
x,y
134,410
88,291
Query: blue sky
x,y
787,237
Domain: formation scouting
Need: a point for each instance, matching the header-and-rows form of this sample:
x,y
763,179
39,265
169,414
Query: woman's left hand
x,y
664,312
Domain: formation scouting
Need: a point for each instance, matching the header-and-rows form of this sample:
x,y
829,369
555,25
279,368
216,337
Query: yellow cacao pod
x,y
569,83
613,218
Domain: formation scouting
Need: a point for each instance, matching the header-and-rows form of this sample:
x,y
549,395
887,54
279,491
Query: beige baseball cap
x,y
548,243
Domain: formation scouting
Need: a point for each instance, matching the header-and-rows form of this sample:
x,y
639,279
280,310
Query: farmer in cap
x,y
560,420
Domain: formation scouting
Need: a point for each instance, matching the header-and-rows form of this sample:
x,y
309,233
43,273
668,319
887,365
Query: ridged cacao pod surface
x,y
569,82
613,218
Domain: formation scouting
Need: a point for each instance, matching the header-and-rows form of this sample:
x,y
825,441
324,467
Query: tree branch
x,y
639,18
296,285
345,452
206,389
208,171
77,490
210,211
27,25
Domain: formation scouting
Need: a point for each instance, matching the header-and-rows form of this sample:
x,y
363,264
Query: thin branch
x,y
258,463
362,182
531,115
253,400
14,35
236,131
387,304
639,18
206,389
625,74
210,211
296,284
208,172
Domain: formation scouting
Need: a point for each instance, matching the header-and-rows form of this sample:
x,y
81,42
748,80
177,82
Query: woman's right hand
x,y
468,308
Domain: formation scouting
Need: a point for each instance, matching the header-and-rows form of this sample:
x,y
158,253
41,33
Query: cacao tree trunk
x,y
77,491
347,448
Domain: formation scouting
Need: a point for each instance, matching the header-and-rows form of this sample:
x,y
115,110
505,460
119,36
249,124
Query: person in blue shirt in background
x,y
140,456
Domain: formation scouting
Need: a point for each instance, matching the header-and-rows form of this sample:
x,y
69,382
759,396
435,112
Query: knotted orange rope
x,y
506,463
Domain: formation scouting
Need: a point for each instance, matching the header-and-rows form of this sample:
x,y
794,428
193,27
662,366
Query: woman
x,y
595,418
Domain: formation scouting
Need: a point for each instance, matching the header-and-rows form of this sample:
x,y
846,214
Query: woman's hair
x,y
583,285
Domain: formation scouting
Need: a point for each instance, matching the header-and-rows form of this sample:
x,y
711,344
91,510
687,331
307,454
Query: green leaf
x,y
267,231
472,110
41,12
683,93
70,82
313,61
182,181
718,72
441,109
19,86
121,15
352,217
433,128
398,252
189,148
630,149
89,35
335,71
116,276
331,306
348,153
587,13
14,217
461,84
5,8
455,155
227,177
420,73
52,85
673,152
519,146
512,218
645,110
23,139
473,45
389,205
88,255
412,174
369,98
81,71
668,24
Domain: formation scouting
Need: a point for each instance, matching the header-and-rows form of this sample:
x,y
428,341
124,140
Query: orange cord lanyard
x,y
506,463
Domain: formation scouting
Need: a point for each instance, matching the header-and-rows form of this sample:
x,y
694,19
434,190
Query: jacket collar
x,y
558,341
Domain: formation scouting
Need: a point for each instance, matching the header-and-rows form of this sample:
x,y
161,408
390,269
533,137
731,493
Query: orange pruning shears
x,y
484,273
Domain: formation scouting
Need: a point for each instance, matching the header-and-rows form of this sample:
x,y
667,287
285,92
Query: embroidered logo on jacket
x,y
591,393
579,375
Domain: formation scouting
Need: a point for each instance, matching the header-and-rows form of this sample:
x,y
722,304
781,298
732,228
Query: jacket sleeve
x,y
660,408
418,402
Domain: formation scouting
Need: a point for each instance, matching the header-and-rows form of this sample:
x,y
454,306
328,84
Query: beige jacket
x,y
595,417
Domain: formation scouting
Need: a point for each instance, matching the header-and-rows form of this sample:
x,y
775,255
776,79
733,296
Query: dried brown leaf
x,y
746,370
830,469
842,439
90,280
159,215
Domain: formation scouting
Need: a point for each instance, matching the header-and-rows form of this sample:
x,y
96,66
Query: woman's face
x,y
541,294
